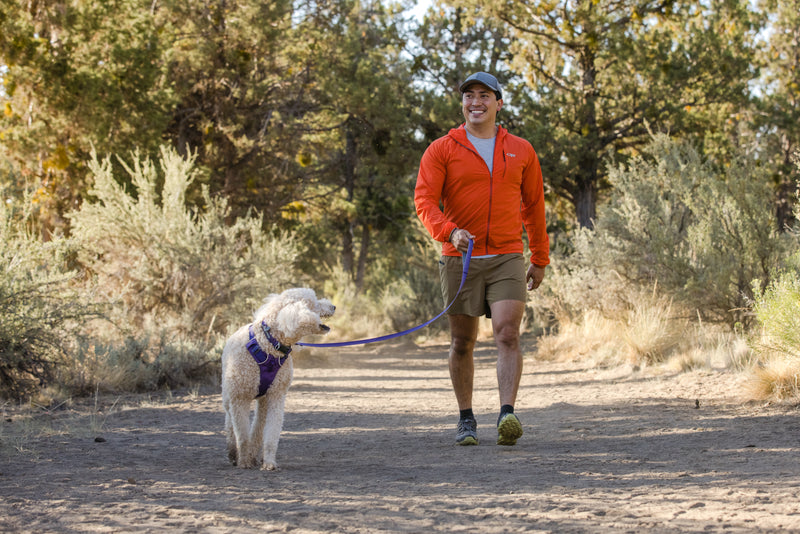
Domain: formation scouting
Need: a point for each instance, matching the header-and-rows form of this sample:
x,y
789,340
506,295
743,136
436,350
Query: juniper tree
x,y
598,71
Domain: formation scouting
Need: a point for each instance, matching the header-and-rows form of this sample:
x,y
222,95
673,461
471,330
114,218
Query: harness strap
x,y
267,363
464,270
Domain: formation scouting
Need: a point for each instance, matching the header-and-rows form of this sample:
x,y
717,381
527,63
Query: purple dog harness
x,y
269,364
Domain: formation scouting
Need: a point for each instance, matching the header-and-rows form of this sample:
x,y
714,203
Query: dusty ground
x,y
367,447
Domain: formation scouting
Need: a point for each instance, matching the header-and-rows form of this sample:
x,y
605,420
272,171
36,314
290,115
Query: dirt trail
x,y
367,447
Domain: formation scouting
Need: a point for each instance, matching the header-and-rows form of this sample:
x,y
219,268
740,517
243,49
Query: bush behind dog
x,y
42,307
169,280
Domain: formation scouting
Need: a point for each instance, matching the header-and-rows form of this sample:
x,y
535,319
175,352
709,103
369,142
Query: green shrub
x,y
777,342
777,309
175,278
168,266
41,308
701,234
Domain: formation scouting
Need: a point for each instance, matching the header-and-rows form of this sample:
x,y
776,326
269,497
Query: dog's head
x,y
295,313
323,307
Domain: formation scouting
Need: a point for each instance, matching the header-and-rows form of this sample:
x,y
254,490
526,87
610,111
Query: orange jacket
x,y
493,206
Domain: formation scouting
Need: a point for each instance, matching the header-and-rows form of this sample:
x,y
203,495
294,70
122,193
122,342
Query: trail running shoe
x,y
509,430
467,431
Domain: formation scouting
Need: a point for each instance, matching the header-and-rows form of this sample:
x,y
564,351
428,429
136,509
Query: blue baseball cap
x,y
483,78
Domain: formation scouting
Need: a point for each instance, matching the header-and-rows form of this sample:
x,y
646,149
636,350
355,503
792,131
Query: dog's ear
x,y
269,299
296,320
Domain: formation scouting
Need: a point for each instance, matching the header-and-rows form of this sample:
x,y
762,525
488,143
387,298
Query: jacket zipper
x,y
491,188
489,216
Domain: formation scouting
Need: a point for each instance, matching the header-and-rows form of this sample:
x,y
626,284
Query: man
x,y
480,182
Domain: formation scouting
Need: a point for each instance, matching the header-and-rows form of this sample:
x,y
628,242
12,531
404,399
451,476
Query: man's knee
x,y
506,321
507,335
461,346
463,334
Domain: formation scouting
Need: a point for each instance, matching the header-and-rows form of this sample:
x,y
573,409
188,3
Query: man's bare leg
x,y
463,333
506,320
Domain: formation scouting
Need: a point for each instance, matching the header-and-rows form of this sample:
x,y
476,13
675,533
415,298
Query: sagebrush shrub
x,y
776,341
175,277
168,265
41,307
700,233
777,309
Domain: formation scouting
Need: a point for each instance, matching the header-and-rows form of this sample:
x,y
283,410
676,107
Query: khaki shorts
x,y
489,280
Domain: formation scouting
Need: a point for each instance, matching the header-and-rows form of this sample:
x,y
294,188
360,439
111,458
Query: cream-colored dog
x,y
256,365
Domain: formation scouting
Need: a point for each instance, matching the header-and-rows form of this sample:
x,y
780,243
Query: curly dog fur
x,y
290,315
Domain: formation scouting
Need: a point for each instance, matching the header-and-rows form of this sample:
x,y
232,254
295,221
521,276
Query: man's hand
x,y
535,276
460,239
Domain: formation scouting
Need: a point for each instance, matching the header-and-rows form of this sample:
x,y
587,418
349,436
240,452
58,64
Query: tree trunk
x,y
362,257
347,250
783,210
585,197
349,171
585,202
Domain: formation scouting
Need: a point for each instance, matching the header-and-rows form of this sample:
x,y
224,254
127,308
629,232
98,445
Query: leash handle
x,y
466,259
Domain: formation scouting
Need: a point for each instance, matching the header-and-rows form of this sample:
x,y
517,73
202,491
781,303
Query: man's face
x,y
479,105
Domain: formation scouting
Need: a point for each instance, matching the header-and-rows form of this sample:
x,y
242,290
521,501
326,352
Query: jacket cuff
x,y
448,231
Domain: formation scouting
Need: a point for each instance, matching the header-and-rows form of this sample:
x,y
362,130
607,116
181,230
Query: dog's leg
x,y
240,417
229,434
272,432
257,431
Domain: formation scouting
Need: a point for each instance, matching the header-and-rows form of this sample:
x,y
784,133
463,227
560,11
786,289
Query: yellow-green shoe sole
x,y
469,440
509,430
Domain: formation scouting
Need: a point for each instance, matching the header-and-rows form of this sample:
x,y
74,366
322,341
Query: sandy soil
x,y
367,447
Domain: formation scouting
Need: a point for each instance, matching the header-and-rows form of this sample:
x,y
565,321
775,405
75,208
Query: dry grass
x,y
645,334
594,338
651,333
776,379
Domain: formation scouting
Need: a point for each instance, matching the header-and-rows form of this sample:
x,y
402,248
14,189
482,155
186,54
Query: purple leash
x,y
464,270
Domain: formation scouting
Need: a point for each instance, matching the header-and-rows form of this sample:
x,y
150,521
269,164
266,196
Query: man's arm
x,y
533,217
428,194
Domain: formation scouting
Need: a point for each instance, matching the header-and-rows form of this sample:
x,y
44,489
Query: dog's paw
x,y
269,466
